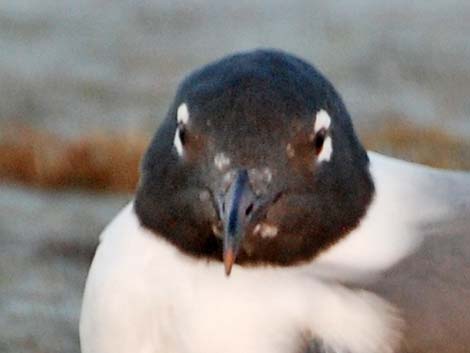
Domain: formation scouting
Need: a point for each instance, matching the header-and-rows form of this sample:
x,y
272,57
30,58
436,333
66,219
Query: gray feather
x,y
432,286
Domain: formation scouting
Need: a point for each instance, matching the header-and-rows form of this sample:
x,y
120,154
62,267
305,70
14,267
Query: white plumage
x,y
143,295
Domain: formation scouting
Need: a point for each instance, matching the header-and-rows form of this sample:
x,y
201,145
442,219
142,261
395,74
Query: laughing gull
x,y
261,225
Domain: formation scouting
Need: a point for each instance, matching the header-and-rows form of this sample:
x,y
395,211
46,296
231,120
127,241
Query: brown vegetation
x,y
432,146
97,161
110,162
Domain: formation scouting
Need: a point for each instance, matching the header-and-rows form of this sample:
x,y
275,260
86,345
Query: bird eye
x,y
182,118
319,140
322,142
182,133
180,138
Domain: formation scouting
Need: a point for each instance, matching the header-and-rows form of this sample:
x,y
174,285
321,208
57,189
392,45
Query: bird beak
x,y
236,207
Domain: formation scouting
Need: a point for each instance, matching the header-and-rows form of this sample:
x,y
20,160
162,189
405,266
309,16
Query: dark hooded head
x,y
256,163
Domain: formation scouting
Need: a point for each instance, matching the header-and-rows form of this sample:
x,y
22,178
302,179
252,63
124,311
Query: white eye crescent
x,y
322,140
182,119
326,151
322,121
182,115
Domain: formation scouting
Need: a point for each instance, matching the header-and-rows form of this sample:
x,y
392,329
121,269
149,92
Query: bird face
x,y
256,163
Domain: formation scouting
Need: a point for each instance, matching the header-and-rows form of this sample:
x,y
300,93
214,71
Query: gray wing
x,y
432,286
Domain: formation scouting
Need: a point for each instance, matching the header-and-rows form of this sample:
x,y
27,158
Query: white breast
x,y
144,296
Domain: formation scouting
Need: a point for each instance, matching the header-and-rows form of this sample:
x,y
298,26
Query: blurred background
x,y
83,84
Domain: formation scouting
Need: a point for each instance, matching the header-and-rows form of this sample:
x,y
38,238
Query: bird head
x,y
256,163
